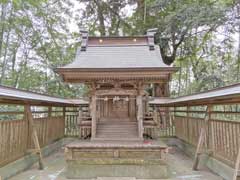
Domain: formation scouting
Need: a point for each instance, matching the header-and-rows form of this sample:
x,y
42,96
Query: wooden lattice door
x,y
120,109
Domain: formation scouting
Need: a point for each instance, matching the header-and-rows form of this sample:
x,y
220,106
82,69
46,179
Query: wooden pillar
x,y
64,113
140,116
132,107
188,129
93,115
147,105
210,125
64,117
49,111
79,122
155,116
140,110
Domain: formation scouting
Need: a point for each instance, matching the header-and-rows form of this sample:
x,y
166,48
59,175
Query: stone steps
x,y
117,130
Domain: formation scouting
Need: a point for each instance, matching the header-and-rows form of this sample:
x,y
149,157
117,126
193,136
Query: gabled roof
x,y
128,56
114,54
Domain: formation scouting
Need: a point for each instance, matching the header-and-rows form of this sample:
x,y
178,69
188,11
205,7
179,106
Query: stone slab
x,y
118,144
78,170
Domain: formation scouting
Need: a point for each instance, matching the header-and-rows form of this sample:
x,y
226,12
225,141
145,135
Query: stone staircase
x,y
119,129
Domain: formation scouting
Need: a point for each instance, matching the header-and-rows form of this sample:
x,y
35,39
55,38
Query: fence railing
x,y
222,138
158,124
16,139
71,124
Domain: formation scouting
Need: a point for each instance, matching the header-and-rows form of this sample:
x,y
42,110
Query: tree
x,y
34,40
177,19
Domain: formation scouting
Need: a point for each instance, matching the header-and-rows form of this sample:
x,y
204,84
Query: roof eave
x,y
136,69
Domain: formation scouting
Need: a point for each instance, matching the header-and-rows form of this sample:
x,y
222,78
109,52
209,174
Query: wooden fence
x,y
158,124
15,141
15,138
78,127
222,139
71,124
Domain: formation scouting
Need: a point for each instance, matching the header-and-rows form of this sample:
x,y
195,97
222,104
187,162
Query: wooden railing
x,y
71,124
15,136
222,136
157,124
78,124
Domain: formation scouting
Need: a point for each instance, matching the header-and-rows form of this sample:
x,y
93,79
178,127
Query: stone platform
x,y
143,160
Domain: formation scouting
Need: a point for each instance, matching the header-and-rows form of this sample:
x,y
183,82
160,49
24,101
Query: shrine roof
x,y
117,53
115,58
128,56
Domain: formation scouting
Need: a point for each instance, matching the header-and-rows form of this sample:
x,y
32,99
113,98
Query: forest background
x,y
200,36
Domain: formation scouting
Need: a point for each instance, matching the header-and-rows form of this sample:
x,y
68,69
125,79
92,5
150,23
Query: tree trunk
x,y
100,9
2,28
4,66
180,79
238,55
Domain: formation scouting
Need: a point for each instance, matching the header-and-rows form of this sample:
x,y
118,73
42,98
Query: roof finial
x,y
84,43
150,35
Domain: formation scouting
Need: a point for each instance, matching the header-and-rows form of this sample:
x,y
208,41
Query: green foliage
x,y
36,40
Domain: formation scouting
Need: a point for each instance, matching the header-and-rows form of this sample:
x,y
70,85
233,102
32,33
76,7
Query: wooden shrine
x,y
118,72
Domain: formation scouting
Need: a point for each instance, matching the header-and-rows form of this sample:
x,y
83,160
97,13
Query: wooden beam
x,y
34,136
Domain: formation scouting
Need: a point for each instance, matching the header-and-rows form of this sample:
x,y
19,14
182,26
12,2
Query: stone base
x,y
141,169
142,160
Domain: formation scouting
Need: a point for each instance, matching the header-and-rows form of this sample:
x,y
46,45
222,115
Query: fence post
x,y
202,138
79,120
29,129
210,125
49,131
33,135
64,117
50,111
188,129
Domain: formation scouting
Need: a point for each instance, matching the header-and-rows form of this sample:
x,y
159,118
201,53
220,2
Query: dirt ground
x,y
180,168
